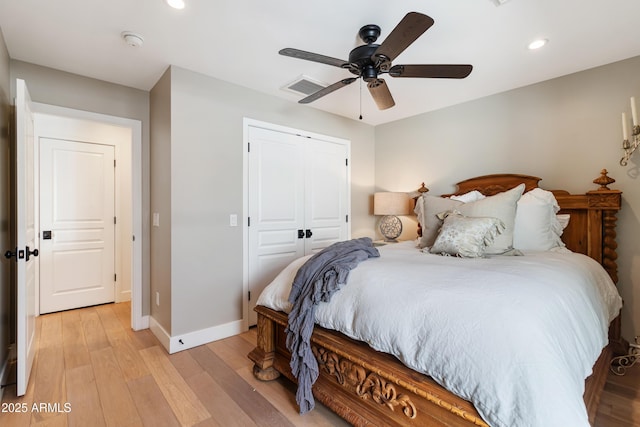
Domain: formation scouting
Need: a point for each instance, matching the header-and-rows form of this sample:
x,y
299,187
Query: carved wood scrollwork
x,y
365,384
609,254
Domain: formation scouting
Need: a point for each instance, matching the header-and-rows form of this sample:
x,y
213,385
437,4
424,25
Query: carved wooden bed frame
x,y
370,388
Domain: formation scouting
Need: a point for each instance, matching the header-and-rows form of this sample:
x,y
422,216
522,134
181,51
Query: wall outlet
x,y
158,299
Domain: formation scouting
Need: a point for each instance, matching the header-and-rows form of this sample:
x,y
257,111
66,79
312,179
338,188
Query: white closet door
x,y
276,207
326,193
298,201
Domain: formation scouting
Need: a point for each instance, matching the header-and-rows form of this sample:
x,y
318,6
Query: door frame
x,y
246,123
138,321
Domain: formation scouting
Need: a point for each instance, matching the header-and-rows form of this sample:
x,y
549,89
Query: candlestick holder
x,y
620,364
630,146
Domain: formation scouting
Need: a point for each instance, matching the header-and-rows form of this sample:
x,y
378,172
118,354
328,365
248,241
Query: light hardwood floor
x,y
92,370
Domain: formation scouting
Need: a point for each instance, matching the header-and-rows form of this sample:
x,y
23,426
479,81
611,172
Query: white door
x,y
326,204
276,207
26,271
298,202
77,230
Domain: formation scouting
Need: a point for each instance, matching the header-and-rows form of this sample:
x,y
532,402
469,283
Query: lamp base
x,y
390,227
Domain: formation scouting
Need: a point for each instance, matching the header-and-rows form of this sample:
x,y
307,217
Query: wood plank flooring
x,y
92,370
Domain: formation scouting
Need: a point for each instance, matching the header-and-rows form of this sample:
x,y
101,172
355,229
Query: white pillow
x,y
537,227
471,196
502,206
563,219
466,237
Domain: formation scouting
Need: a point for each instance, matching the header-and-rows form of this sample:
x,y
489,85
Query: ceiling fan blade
x,y
327,90
316,57
381,94
437,71
406,32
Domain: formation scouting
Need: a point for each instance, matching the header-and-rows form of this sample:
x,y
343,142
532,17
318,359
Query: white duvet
x,y
515,335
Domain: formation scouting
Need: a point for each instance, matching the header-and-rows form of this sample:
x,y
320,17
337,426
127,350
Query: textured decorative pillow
x,y
537,227
466,237
502,206
427,208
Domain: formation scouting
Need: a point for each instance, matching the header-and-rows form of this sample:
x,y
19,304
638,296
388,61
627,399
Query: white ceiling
x,y
238,41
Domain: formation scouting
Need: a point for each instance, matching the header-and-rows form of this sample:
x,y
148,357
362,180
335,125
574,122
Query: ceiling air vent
x,y
304,85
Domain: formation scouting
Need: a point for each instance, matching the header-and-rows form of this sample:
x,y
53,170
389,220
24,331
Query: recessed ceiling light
x,y
176,4
537,44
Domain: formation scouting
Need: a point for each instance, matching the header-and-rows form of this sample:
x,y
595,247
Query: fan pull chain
x,y
360,99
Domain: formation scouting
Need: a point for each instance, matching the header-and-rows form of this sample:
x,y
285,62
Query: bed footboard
x,y
365,387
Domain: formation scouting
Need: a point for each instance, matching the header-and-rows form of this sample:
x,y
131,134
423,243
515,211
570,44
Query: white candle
x,y
634,113
625,134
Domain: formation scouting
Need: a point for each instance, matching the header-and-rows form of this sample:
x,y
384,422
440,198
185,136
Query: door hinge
x,y
249,295
115,278
114,163
346,162
114,219
248,147
249,221
346,218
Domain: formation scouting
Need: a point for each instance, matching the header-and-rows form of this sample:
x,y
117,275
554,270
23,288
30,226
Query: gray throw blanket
x,y
316,281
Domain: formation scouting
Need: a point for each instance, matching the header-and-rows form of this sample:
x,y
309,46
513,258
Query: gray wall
x,y
49,86
160,244
6,318
563,130
206,186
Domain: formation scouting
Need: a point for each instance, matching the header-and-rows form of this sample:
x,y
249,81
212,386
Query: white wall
x,y
563,130
206,187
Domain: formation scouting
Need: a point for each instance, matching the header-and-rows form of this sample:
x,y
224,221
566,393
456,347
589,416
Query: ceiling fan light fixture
x,y
176,4
537,44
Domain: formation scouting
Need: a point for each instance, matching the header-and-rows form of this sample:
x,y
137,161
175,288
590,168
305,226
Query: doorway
x,y
78,226
75,125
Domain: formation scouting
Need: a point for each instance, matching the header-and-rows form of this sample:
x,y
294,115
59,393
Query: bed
x,y
369,387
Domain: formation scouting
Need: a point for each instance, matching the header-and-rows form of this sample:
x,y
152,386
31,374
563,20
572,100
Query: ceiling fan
x,y
371,60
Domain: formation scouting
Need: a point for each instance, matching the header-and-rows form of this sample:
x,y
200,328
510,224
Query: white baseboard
x,y
142,323
174,344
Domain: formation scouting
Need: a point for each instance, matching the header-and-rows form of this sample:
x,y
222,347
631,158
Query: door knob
x,y
33,252
18,254
300,234
308,233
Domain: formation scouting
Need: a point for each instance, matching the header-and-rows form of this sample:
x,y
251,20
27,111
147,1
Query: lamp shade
x,y
390,203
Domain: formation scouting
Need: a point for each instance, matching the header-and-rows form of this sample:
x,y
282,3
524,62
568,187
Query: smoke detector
x,y
132,39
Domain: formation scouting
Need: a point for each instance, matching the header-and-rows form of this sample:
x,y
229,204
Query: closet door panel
x,y
326,193
276,207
